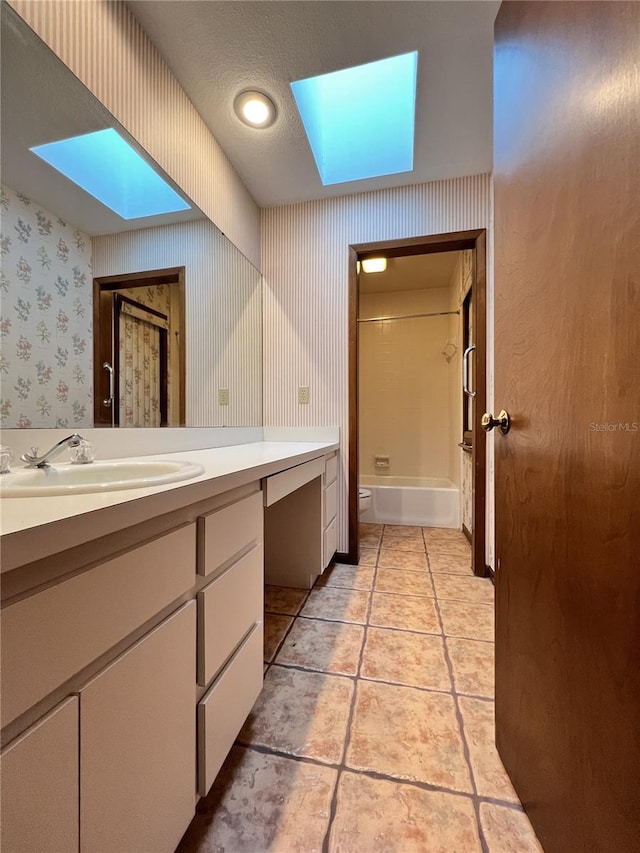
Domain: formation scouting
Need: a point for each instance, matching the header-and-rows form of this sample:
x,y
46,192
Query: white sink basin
x,y
68,479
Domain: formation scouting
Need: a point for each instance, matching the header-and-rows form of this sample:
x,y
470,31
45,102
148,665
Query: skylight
x,y
108,168
360,121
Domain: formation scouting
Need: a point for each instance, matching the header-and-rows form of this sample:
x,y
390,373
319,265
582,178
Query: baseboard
x,y
343,557
468,534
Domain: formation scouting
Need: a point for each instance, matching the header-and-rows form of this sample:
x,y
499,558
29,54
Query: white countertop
x,y
27,524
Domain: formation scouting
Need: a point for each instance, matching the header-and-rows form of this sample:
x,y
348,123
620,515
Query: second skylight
x,y
360,121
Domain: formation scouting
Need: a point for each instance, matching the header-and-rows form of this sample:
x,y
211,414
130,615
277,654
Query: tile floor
x,y
374,730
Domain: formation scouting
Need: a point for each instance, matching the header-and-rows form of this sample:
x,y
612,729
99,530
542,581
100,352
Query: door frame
x,y
476,240
173,276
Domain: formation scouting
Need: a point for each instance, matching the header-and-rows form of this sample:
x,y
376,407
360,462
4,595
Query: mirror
x,y
188,293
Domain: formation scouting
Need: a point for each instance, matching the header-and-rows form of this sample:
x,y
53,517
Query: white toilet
x,y
364,499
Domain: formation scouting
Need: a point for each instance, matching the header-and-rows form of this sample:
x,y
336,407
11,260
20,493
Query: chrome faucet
x,y
32,459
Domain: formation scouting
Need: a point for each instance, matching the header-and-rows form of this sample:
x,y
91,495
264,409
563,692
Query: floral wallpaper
x,y
45,318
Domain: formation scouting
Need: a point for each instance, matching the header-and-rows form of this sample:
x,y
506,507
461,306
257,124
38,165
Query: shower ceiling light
x,y
255,109
374,265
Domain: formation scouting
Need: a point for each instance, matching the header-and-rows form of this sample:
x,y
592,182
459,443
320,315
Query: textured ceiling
x,y
217,49
413,272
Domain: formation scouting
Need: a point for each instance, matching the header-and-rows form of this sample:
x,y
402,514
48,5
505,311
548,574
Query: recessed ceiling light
x,y
374,265
255,109
360,121
104,165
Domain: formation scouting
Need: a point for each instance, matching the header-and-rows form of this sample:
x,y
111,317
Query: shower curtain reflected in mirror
x,y
142,364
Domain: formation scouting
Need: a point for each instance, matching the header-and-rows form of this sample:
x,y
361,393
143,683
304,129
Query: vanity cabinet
x,y
131,662
226,705
329,508
49,637
137,736
230,628
39,785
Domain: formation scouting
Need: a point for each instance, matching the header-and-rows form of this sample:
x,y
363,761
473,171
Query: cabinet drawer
x,y
137,738
330,503
49,637
226,532
40,785
330,543
280,485
330,469
227,608
223,710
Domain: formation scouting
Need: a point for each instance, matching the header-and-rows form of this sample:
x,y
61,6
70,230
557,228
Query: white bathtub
x,y
428,501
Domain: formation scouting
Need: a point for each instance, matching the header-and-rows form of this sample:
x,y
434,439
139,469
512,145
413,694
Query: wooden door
x,y
567,325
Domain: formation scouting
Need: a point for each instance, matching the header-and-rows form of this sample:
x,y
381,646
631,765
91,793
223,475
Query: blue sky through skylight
x,y
360,121
108,168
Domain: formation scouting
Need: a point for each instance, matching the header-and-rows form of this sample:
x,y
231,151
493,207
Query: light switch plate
x,y
303,394
223,396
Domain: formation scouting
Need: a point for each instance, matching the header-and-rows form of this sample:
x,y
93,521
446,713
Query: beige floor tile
x,y
438,534
405,657
275,627
406,530
283,599
404,611
473,621
507,830
473,665
370,540
368,527
350,577
402,543
301,713
390,817
450,547
455,588
450,564
409,734
479,729
336,604
256,804
326,646
368,557
404,582
412,560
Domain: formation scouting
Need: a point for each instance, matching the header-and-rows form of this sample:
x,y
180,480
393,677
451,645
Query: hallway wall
x,y
223,313
305,266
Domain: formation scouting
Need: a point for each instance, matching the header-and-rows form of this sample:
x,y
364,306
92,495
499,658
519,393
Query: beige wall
x,y
305,266
223,313
407,404
105,47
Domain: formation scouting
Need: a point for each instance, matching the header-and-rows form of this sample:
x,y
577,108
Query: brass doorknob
x,y
503,421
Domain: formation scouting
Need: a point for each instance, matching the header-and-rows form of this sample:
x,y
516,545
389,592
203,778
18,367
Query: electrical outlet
x,y
303,394
223,396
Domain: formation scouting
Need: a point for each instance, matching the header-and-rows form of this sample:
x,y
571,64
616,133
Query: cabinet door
x,y
39,787
137,736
